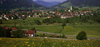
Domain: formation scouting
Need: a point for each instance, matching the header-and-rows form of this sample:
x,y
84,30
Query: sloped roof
x,y
29,31
6,27
13,28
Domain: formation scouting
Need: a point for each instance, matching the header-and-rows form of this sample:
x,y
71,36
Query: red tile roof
x,y
7,27
29,32
13,28
48,16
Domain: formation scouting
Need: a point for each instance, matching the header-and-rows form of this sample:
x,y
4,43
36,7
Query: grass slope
x,y
91,30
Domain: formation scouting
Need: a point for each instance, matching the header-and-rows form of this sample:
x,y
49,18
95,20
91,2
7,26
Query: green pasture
x,y
92,30
29,20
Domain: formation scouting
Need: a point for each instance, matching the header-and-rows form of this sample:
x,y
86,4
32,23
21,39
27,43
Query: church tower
x,y
71,8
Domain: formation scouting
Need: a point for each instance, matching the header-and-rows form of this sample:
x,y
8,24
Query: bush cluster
x,y
81,36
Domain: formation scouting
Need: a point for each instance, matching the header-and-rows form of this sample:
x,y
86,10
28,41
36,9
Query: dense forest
x,y
12,4
85,2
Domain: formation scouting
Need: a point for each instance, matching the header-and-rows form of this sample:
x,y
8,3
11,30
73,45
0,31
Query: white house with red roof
x,y
48,16
30,33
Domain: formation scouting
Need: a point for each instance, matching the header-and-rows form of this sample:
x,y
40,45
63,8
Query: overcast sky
x,y
53,0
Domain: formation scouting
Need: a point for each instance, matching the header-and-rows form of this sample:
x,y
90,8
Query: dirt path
x,y
55,38
66,35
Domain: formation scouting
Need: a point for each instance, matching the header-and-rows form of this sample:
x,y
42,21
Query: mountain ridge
x,y
46,4
78,3
12,4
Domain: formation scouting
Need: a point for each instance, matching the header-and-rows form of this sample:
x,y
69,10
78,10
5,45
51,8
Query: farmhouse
x,y
30,33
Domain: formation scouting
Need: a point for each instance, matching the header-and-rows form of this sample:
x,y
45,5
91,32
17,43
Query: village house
x,y
48,16
27,33
58,13
30,33
66,17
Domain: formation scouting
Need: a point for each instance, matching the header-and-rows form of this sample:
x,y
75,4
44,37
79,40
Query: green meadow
x,y
92,30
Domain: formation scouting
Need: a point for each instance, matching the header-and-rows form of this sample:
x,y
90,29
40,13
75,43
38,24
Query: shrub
x,y
1,22
81,36
33,28
18,33
41,35
63,36
44,35
37,22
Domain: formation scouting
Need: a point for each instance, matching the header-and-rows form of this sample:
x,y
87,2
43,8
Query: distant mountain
x,y
12,4
85,2
78,3
65,4
46,4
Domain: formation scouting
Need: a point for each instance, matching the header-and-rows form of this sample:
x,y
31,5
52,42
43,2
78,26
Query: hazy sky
x,y
53,0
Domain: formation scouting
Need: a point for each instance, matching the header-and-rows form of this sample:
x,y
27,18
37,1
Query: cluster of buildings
x,y
67,13
27,33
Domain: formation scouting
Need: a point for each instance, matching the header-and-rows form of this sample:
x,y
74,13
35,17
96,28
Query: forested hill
x,y
12,4
79,3
85,2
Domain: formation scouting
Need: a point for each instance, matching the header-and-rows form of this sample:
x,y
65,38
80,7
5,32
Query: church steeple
x,y
71,7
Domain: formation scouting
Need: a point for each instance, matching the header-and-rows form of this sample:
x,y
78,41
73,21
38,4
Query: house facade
x,y
30,33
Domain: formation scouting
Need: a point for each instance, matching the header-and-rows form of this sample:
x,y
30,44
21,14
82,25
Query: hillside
x,y
65,4
85,2
46,4
12,4
78,3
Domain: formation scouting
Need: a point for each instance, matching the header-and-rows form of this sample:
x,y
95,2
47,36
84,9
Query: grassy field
x,y
36,42
91,30
26,21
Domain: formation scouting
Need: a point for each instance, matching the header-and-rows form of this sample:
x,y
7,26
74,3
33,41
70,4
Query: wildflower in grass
x,y
63,41
28,45
0,39
33,43
40,45
73,46
14,45
27,39
68,45
26,42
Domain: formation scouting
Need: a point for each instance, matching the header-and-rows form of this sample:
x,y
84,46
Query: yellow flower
x,y
33,43
73,46
28,45
27,39
0,39
26,42
40,45
63,41
68,45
